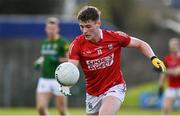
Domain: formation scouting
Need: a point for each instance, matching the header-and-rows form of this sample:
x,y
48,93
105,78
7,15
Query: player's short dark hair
x,y
89,13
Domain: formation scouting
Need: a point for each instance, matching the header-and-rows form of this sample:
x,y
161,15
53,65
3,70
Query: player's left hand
x,y
65,90
37,64
157,63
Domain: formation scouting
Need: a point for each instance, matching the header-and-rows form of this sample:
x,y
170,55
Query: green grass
x,y
32,111
81,111
132,95
129,107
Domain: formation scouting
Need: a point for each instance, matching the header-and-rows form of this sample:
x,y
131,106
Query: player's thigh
x,y
178,92
169,97
113,99
110,105
43,86
42,99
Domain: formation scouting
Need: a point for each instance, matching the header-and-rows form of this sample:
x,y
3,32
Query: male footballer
x,y
172,75
98,51
53,51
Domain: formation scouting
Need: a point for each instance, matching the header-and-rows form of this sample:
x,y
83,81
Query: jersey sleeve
x,y
74,50
122,38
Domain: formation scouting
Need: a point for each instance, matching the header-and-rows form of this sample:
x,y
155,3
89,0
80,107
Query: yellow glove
x,y
157,63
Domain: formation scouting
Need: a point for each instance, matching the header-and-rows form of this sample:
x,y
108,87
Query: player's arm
x,y
75,62
147,51
178,70
174,71
65,58
72,57
162,78
74,53
37,64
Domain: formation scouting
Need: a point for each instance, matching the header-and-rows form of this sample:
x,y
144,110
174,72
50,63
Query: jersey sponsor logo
x,y
49,49
48,52
55,46
100,63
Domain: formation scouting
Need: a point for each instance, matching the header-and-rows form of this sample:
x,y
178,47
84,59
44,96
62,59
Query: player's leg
x,y
110,106
168,101
93,114
112,100
42,100
61,105
60,99
43,96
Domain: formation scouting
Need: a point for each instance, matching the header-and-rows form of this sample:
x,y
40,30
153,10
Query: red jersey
x,y
172,62
100,61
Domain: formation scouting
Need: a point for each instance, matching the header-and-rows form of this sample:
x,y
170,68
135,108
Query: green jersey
x,y
52,50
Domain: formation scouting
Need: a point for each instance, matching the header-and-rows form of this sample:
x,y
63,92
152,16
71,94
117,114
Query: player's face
x,y
174,45
90,29
52,30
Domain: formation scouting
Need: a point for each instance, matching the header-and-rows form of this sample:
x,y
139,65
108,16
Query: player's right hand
x,y
65,90
158,64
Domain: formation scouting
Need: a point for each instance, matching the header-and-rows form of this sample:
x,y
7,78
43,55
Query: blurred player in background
x,y
98,53
53,52
172,62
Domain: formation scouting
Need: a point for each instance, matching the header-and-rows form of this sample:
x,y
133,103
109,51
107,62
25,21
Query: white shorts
x,y
172,92
48,85
93,103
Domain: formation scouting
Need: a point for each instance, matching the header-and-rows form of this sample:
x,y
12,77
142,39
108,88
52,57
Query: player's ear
x,y
98,23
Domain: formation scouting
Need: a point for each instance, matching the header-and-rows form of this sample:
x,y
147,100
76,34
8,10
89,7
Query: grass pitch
x,y
129,107
20,111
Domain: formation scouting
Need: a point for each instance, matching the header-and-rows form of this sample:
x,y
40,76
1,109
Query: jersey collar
x,y
101,33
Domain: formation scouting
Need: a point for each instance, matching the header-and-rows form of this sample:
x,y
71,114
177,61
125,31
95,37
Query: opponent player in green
x,y
53,52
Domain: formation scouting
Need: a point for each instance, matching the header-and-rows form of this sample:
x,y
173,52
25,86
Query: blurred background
x,y
22,29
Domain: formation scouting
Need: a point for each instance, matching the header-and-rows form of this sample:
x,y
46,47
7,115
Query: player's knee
x,y
106,112
166,110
